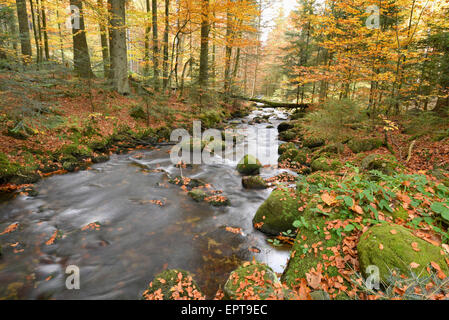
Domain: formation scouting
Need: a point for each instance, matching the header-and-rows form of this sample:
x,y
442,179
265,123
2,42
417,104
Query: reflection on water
x,y
137,238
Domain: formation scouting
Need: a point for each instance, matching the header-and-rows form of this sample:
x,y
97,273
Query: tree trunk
x,y
36,39
104,43
146,56
165,50
118,47
81,58
155,48
25,42
228,52
204,50
44,27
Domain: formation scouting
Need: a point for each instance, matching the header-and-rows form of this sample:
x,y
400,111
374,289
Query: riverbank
x,y
51,123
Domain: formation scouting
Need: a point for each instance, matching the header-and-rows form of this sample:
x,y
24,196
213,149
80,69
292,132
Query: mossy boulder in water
x,y
197,194
255,281
394,247
278,212
360,145
254,182
249,165
173,285
386,164
325,164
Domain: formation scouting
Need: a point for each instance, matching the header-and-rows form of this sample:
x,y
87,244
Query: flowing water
x,y
137,238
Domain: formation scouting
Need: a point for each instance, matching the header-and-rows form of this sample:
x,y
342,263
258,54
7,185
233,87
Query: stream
x,y
137,237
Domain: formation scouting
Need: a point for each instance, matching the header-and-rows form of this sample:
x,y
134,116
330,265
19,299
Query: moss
x,y
387,164
197,194
288,155
392,250
399,213
284,126
100,145
313,142
278,212
288,135
360,145
325,164
285,146
69,166
165,286
211,118
254,182
188,182
300,158
303,257
254,281
319,178
333,148
100,158
249,165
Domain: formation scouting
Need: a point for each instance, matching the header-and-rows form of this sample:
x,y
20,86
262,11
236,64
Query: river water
x,y
137,238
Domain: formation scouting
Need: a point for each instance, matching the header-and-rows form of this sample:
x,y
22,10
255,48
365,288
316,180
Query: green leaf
x,y
349,228
441,209
348,201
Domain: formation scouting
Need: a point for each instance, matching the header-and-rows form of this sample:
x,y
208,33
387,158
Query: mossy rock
x,y
217,200
288,135
25,178
389,247
165,286
303,257
188,182
254,182
249,165
336,148
313,142
386,164
100,158
278,212
300,158
325,164
197,194
99,145
284,126
255,281
360,145
285,146
69,166
288,155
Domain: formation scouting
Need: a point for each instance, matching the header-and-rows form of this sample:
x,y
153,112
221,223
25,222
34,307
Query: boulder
x,y
386,164
284,126
278,212
394,247
173,285
249,165
360,145
254,182
325,164
255,281
313,142
285,146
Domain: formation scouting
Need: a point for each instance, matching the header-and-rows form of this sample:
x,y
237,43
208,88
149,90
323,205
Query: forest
x,y
224,150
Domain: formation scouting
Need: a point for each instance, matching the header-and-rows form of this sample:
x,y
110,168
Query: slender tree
x,y
165,44
204,49
155,47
